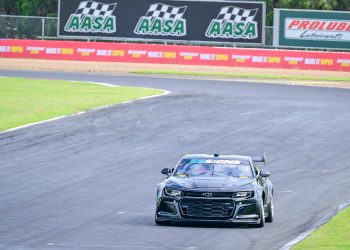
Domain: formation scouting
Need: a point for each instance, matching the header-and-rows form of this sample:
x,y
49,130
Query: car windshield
x,y
214,167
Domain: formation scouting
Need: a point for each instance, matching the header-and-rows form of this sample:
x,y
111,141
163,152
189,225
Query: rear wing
x,y
260,159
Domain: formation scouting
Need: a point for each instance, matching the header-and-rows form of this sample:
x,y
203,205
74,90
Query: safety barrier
x,y
174,54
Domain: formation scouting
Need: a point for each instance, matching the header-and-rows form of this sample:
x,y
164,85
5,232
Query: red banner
x,y
174,54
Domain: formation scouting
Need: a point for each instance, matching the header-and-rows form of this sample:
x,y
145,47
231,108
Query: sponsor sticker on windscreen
x,y
213,161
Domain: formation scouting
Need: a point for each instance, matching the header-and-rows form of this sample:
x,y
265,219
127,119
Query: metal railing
x,y
28,27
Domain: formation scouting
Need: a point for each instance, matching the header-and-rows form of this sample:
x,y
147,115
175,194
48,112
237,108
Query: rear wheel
x,y
271,212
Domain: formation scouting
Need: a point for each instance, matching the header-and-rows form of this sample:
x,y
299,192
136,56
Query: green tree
x,y
49,7
340,5
29,7
7,7
310,4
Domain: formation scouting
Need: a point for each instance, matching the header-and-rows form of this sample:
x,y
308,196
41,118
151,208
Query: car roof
x,y
223,157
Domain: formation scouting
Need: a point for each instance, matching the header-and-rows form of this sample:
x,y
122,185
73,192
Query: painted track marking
x,y
323,221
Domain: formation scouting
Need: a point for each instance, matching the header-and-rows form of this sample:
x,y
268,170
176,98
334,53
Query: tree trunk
x,y
276,3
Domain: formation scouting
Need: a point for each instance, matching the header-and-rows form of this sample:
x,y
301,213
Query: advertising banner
x,y
196,21
174,54
311,28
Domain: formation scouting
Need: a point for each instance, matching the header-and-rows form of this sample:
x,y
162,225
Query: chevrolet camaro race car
x,y
216,188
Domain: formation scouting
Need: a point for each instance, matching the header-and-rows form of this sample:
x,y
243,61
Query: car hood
x,y
221,183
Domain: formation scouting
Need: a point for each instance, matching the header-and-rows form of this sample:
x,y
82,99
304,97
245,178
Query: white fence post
x,y
42,28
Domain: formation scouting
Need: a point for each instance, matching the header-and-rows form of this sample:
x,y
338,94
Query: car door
x,y
263,183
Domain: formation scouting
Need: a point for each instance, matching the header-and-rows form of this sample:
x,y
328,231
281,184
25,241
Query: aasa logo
x,y
163,20
93,17
234,22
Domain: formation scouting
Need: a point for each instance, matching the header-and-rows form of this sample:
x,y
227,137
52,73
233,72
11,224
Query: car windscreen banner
x,y
197,21
311,28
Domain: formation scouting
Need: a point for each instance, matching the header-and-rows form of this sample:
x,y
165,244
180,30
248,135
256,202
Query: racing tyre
x,y
271,212
162,222
262,217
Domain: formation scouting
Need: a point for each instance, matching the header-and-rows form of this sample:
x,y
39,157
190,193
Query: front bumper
x,y
227,210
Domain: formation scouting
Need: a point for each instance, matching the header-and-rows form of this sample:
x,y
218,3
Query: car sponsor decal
x,y
213,161
181,175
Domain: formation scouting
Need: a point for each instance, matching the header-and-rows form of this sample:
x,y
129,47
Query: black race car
x,y
216,188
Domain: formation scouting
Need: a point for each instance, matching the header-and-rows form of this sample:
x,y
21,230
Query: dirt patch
x,y
125,68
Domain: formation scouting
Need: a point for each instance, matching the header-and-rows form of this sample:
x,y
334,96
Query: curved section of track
x,y
88,182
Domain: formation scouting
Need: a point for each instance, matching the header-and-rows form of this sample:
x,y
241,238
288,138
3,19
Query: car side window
x,y
256,169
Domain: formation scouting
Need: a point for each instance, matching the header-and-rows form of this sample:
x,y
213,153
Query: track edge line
x,y
316,226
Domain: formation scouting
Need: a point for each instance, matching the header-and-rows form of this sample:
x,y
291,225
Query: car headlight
x,y
172,192
243,194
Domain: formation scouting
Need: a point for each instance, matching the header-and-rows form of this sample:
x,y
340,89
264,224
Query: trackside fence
x,y
28,27
173,54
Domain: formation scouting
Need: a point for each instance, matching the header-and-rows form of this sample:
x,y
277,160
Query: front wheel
x,y
262,216
162,222
271,211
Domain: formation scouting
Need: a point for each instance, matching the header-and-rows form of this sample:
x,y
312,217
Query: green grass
x,y
24,101
333,235
243,75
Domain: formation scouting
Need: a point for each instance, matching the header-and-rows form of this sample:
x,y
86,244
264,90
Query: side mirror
x,y
264,173
166,171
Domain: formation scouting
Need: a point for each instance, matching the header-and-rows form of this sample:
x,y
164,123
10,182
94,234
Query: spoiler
x,y
260,159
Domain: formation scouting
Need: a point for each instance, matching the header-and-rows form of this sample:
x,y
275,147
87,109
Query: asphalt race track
x,y
89,181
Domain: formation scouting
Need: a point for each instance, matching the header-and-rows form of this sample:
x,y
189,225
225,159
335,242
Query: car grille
x,y
212,194
207,208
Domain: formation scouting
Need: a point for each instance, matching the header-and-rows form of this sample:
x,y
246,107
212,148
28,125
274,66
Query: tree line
x,y
339,5
49,7
29,7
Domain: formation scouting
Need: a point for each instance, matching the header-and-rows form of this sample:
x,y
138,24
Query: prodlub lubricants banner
x,y
312,28
200,21
171,54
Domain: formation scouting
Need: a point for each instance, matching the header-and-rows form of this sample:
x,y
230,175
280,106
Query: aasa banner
x,y
197,21
311,28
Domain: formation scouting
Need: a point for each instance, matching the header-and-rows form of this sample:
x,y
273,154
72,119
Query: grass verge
x,y
333,235
244,75
24,101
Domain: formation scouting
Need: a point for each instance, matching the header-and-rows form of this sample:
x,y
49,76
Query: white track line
x,y
300,83
113,246
98,83
165,92
323,221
